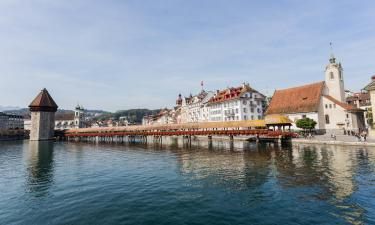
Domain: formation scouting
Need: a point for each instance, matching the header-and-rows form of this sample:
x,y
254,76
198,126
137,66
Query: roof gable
x,y
296,100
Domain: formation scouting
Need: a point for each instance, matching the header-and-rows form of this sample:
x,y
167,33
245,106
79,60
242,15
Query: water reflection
x,y
243,181
40,167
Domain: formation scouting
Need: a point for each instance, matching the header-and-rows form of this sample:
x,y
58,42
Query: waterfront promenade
x,y
340,140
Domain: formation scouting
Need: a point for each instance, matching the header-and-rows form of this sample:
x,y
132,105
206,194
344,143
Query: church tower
x,y
79,114
334,79
42,110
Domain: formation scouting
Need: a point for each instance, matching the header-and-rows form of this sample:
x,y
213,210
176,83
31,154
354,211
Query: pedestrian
x,y
364,135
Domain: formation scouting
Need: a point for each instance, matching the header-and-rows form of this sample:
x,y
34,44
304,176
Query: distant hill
x,y
25,111
134,116
5,108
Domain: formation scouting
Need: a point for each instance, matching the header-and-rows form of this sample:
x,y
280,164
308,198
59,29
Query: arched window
x,y
327,119
331,75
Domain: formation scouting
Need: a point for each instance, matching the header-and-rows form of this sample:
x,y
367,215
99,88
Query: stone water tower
x,y
42,110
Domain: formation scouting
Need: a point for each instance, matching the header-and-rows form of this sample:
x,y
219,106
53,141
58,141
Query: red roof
x,y
231,93
64,116
343,105
296,100
43,102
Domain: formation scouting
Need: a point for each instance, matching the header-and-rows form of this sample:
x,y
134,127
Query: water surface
x,y
218,183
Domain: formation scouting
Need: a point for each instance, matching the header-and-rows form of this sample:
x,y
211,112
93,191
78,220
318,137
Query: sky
x,y
124,54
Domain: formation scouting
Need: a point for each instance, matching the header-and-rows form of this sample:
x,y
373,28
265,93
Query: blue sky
x,y
140,54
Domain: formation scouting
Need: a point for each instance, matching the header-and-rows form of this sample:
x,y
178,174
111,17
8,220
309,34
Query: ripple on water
x,y
81,183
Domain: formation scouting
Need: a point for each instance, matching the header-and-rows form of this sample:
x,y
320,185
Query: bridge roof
x,y
204,125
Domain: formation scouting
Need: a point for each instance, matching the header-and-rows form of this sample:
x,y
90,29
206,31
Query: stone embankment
x,y
10,135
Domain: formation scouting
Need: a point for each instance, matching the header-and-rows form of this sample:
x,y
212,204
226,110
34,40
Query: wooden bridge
x,y
276,127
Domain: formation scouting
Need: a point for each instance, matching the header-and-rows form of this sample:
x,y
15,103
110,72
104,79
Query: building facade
x,y
239,103
65,121
194,108
362,100
323,102
11,122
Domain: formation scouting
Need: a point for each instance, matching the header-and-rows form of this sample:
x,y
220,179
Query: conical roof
x,y
43,102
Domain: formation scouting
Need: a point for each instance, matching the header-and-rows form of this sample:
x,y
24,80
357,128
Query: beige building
x,y
194,108
323,102
371,89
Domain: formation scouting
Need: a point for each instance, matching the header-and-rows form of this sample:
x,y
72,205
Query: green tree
x,y
306,124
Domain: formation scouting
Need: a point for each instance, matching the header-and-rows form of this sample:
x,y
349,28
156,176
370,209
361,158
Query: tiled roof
x,y
362,98
200,96
296,100
231,93
64,116
343,105
43,102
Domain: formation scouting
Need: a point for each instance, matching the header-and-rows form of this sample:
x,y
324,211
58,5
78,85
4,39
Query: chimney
x,y
217,91
373,78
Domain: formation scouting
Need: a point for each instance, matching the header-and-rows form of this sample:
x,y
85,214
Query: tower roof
x,y
43,102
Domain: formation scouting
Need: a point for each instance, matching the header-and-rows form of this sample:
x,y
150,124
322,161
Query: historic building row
x,y
230,104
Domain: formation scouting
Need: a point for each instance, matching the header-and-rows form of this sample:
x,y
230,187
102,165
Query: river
x,y
218,183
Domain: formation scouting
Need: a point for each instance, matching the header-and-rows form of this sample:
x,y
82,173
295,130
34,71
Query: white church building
x,y
323,102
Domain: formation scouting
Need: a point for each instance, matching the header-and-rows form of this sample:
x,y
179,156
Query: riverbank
x,y
320,139
332,142
340,140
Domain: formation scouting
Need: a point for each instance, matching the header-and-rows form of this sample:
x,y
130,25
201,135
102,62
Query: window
x,y
244,102
331,75
326,106
252,117
303,116
327,119
258,110
347,116
245,117
330,106
236,110
244,110
259,117
252,110
251,95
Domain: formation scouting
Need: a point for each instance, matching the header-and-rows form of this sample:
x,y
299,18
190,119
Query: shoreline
x,y
300,141
322,142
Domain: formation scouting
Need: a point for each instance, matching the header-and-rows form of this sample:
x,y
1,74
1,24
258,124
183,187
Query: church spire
x,y
332,58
